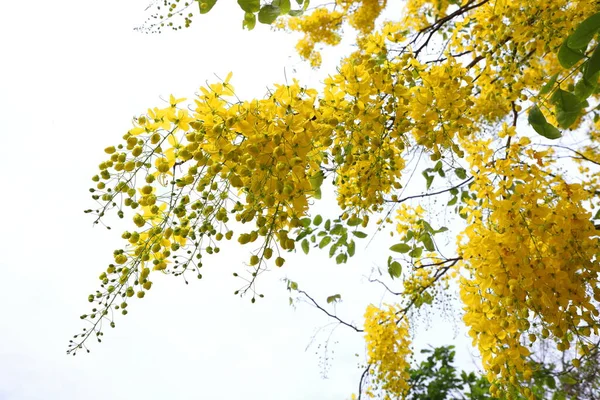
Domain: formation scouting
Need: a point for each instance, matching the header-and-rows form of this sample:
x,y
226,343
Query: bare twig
x,y
328,313
418,196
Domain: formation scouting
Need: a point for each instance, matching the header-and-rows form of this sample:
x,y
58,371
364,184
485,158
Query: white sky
x,y
72,75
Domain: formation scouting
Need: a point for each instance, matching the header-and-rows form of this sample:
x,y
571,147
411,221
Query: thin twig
x,y
385,286
418,196
329,314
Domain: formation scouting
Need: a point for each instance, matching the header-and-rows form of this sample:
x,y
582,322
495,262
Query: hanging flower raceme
x,y
531,253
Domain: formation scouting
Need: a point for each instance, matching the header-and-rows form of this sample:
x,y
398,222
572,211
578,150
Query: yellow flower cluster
x,y
324,25
421,13
513,48
529,251
388,348
320,26
407,218
529,248
415,282
441,105
362,13
265,151
367,148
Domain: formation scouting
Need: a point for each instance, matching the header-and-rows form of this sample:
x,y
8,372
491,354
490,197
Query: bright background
x,y
72,75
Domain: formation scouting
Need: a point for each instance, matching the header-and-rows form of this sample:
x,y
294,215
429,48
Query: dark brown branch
x,y
438,274
328,313
418,196
362,378
437,264
474,61
464,53
437,25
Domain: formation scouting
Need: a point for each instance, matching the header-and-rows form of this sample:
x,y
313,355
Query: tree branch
x,y
418,196
328,313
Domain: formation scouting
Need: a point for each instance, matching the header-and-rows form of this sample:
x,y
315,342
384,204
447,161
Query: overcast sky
x,y
72,75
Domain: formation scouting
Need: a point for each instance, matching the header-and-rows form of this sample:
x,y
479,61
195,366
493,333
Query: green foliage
x,y
268,14
334,299
206,5
394,268
568,57
570,105
584,33
400,248
540,125
249,6
436,378
333,234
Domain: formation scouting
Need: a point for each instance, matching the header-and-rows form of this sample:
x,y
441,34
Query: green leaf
x,y
442,229
341,258
416,252
292,285
427,242
267,15
428,179
317,194
425,225
334,299
250,6
327,225
333,249
584,33
453,201
395,269
549,85
584,88
284,6
568,107
316,180
593,66
296,13
568,379
351,248
540,125
464,196
249,21
359,234
461,173
206,5
559,396
354,221
597,215
325,241
337,229
302,235
317,221
305,222
305,246
567,56
400,248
